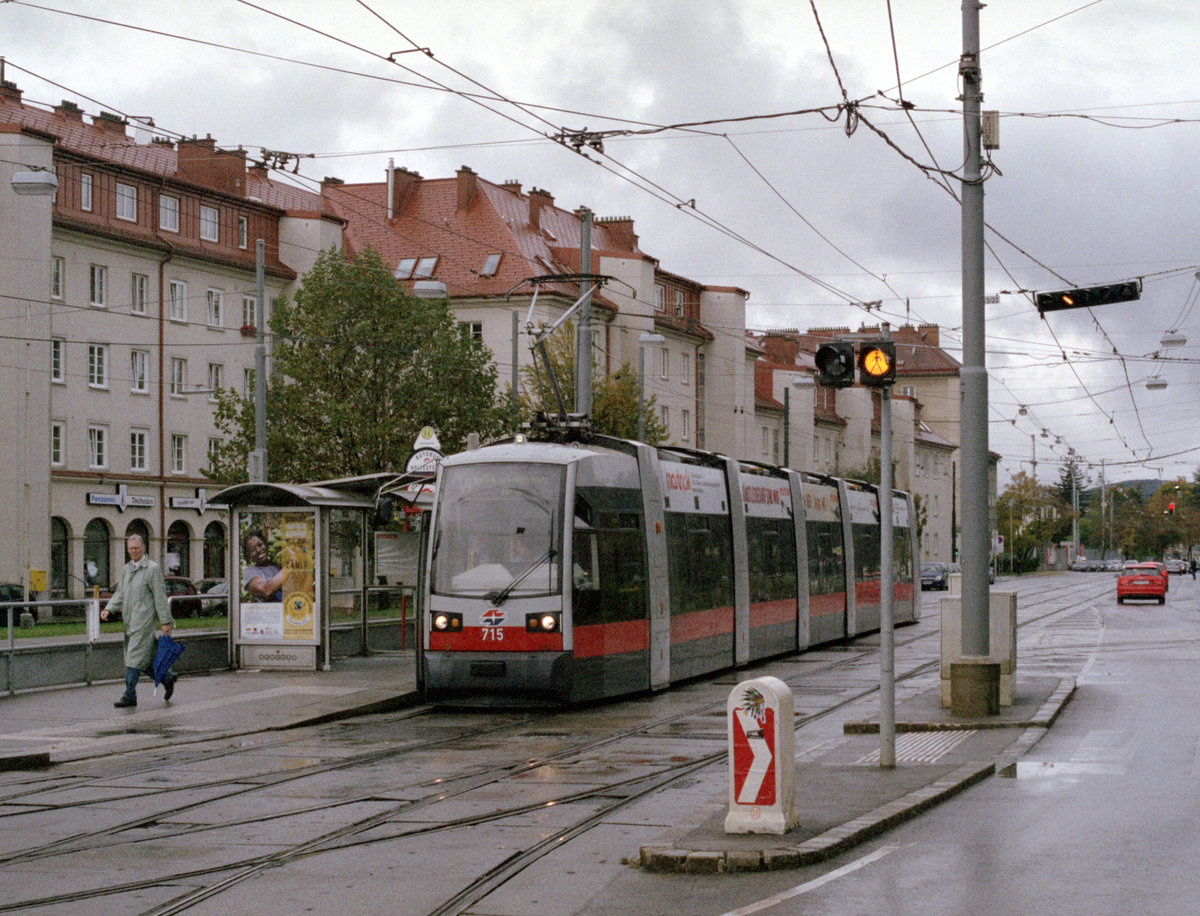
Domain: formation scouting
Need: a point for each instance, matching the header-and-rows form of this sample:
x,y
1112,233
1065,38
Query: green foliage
x,y
614,397
359,367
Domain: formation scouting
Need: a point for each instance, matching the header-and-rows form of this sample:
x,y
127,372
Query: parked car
x,y
1142,580
935,576
215,608
1177,566
11,592
176,585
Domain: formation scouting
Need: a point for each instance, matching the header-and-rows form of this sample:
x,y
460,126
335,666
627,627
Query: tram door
x,y
826,559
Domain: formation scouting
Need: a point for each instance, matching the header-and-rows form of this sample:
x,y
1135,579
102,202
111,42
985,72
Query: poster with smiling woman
x,y
277,575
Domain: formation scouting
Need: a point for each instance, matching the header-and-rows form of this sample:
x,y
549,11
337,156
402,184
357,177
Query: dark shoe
x,y
125,702
170,685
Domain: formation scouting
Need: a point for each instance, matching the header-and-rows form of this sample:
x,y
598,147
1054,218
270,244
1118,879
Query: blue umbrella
x,y
168,650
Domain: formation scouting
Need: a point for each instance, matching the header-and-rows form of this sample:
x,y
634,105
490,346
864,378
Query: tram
x,y
562,572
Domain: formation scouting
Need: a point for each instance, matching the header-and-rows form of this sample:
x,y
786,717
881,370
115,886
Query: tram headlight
x,y
543,623
447,623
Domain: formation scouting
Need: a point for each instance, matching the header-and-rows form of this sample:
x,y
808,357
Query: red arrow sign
x,y
754,757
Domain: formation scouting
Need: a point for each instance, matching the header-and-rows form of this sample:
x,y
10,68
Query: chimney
x,y
620,228
403,182
9,90
931,334
781,348
199,161
164,142
537,200
512,185
110,122
466,188
69,110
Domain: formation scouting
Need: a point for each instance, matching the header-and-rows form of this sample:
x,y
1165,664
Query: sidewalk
x,y
844,798
44,727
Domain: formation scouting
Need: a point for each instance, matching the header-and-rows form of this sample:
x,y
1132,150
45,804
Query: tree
x,y
614,397
1029,513
360,366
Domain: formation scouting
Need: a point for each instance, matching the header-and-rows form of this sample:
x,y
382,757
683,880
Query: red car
x,y
1142,581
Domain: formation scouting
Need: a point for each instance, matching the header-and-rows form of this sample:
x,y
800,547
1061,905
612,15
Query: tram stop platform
x,y
844,798
43,727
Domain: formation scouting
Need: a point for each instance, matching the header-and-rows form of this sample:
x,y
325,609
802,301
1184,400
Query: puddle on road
x,y
1030,770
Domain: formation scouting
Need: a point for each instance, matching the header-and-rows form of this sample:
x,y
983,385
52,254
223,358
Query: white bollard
x,y
762,742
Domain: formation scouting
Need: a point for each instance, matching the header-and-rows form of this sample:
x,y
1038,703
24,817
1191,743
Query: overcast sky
x,y
1100,120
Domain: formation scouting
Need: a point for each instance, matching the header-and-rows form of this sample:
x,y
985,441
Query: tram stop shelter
x,y
301,563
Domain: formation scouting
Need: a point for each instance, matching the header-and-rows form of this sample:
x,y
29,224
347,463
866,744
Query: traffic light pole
x,y
975,611
887,643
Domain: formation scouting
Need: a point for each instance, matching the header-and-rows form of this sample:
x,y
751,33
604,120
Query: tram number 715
x,y
495,634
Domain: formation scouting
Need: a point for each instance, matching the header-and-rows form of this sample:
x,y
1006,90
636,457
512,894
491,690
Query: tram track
x,y
357,831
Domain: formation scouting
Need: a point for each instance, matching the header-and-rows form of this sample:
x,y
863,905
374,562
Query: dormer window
x,y
425,268
660,298
678,303
490,266
405,268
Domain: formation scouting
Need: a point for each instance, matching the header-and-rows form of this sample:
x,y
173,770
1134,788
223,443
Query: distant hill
x,y
1146,487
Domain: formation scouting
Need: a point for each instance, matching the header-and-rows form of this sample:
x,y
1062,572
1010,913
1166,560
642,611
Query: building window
x,y
473,329
678,303
97,446
249,312
665,415
425,268
57,443
214,451
139,371
665,363
243,232
127,202
210,224
775,446
85,191
178,453
58,268
97,285
404,268
177,297
137,450
247,383
685,420
97,365
684,369
168,213
138,291
215,298
766,440
178,376
58,373
216,379
660,298
490,266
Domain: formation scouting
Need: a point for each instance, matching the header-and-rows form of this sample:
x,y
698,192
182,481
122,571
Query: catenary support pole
x,y
258,464
583,337
975,625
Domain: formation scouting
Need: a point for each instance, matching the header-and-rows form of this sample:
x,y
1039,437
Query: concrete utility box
x,y
1002,641
762,767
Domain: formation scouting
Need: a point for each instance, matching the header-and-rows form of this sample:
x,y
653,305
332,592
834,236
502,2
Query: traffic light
x,y
877,363
1092,295
835,364
1170,508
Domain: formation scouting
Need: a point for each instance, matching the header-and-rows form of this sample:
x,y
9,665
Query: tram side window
x,y
826,565
772,558
609,561
700,562
866,552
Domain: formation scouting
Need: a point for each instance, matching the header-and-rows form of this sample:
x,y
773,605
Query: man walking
x,y
142,595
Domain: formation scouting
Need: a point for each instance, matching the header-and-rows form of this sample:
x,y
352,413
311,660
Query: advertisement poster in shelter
x,y
277,572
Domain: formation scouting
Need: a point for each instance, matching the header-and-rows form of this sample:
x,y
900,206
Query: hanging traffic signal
x,y
835,364
1092,295
877,363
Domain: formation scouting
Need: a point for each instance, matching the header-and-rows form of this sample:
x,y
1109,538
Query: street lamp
x,y
643,340
429,289
35,183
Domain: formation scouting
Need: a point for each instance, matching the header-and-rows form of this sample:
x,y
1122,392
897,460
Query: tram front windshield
x,y
499,530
